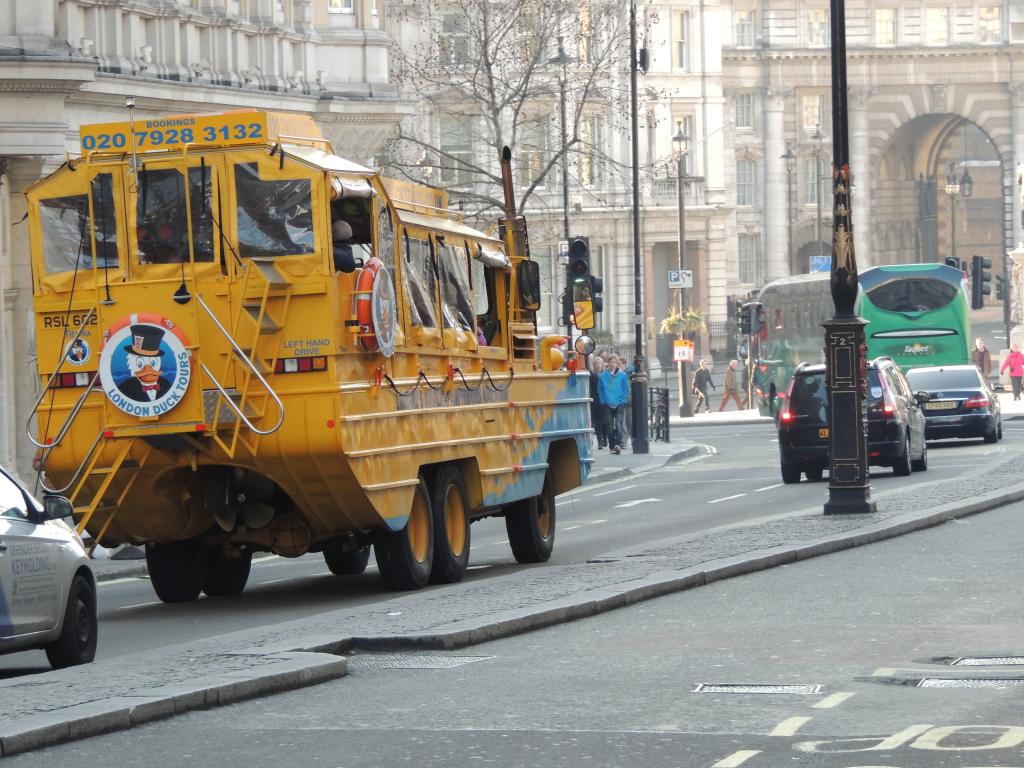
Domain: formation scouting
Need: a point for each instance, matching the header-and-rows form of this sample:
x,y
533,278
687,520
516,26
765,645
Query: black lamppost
x,y
790,160
849,487
952,190
817,181
564,60
639,384
682,142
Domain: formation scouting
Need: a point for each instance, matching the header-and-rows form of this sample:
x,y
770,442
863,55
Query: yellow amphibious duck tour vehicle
x,y
247,343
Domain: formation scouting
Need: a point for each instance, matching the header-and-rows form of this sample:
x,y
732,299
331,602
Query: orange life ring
x,y
364,303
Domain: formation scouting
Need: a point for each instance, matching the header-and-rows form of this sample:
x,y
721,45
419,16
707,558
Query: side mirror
x,y
922,397
528,279
56,508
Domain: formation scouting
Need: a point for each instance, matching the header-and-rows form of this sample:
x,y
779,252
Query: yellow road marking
x,y
736,759
833,701
789,726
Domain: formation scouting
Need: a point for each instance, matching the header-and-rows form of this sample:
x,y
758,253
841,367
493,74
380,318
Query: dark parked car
x,y
962,404
896,426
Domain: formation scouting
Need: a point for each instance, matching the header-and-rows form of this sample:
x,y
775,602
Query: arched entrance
x,y
938,194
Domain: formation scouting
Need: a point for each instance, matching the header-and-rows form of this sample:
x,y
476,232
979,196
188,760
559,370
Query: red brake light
x,y
888,409
786,417
977,402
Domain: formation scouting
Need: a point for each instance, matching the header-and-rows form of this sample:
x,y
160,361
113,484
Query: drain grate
x,y
989,661
374,661
746,688
967,682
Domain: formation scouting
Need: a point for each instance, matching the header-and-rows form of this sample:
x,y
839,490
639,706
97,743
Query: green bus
x,y
918,314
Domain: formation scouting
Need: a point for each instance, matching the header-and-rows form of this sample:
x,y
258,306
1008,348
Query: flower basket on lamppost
x,y
683,325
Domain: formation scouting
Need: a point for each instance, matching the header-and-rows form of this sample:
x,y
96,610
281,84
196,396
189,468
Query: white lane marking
x,y
571,528
258,560
727,498
833,701
120,581
736,759
137,605
789,726
274,581
767,487
634,503
614,490
597,522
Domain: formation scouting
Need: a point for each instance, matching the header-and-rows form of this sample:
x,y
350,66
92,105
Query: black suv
x,y
896,425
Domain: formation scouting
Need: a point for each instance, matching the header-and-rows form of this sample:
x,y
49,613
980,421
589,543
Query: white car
x,y
47,588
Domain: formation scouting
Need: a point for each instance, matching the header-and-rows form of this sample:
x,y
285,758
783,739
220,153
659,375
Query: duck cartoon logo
x,y
145,365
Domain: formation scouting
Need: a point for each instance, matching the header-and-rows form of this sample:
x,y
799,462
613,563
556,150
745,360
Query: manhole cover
x,y
372,661
977,682
740,688
989,661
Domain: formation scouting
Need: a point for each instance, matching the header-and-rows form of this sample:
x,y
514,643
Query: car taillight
x,y
69,380
786,417
977,402
889,410
300,364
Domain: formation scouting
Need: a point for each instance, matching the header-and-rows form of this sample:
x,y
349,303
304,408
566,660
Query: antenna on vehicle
x,y
129,102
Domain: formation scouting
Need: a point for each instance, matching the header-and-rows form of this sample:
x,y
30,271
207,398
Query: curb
x,y
282,672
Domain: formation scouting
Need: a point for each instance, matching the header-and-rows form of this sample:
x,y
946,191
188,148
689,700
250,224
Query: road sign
x,y
680,278
821,263
682,351
563,251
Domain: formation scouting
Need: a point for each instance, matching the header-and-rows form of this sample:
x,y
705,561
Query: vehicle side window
x,y
456,293
874,388
420,283
65,228
897,383
12,500
275,217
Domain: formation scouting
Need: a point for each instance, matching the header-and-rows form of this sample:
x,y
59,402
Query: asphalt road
x,y
620,689
739,482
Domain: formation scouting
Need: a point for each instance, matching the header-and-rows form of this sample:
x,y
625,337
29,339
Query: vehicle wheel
x,y
78,634
226,575
921,464
901,464
343,559
814,474
790,473
451,527
177,570
530,524
404,556
991,436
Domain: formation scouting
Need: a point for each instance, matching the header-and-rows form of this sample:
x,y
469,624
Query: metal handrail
x,y
238,351
53,377
78,472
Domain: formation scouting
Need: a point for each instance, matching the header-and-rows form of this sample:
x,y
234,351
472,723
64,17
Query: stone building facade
x,y
68,62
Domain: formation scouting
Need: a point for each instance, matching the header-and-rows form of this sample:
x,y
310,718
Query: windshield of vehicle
x,y
875,394
936,380
808,395
900,293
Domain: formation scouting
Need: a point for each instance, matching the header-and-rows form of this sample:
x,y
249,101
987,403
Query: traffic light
x,y
1001,288
980,280
596,286
579,259
744,320
751,320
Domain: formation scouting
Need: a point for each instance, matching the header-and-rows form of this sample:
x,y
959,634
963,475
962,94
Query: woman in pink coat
x,y
1015,362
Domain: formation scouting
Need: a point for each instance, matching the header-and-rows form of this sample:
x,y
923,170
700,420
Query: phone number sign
x,y
176,132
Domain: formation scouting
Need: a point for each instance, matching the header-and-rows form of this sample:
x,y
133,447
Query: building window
x,y
533,151
817,28
341,6
456,150
590,152
936,26
745,111
811,181
454,43
1016,24
812,111
680,41
745,182
990,24
749,245
586,35
885,27
744,26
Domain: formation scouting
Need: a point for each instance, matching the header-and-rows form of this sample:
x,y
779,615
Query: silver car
x,y
47,588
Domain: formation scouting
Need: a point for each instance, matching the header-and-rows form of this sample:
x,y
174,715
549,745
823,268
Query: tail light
x,y
300,364
889,410
977,402
786,417
77,379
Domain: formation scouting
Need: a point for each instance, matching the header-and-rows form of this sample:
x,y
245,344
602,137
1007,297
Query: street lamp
x,y
952,190
564,60
790,159
817,183
639,384
682,142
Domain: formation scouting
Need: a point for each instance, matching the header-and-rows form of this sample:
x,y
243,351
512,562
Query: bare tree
x,y
488,72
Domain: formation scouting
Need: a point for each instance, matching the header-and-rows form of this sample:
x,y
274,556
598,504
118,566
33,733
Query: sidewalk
x,y
121,693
